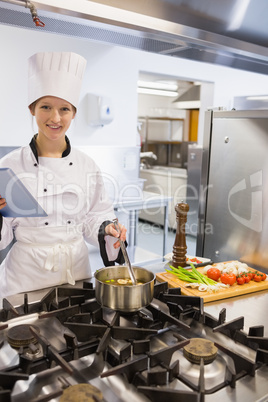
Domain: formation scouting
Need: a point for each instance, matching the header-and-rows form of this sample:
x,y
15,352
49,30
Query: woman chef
x,y
51,250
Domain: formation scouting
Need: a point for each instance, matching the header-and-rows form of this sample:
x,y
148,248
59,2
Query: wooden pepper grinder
x,y
179,248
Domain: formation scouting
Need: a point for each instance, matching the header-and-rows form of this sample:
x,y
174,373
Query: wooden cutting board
x,y
234,290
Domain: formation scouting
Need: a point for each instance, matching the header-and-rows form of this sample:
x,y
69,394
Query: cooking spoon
x,y
125,254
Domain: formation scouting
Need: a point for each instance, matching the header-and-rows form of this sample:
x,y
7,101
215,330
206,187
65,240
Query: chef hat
x,y
57,74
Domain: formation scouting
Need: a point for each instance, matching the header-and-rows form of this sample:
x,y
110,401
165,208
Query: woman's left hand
x,y
111,230
2,202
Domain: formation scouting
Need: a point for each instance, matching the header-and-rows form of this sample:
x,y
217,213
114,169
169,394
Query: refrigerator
x,y
233,197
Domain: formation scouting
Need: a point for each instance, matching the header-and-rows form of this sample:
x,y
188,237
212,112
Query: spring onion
x,y
193,276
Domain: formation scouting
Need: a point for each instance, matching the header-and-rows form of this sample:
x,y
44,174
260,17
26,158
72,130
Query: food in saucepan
x,y
121,282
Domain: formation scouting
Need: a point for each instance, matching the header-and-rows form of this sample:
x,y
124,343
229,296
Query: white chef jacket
x,y
51,250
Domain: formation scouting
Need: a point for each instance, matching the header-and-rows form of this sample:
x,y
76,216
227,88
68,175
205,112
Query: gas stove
x,y
174,348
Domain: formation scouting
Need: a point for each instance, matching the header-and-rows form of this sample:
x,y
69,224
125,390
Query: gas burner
x,y
170,349
33,351
199,348
21,336
81,393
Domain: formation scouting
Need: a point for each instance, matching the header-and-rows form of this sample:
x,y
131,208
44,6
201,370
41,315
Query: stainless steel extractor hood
x,y
232,33
190,99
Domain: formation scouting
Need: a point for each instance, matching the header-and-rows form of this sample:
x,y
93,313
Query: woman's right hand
x,y
2,202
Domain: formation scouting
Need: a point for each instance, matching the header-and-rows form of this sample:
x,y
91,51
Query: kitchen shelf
x,y
161,118
164,142
164,136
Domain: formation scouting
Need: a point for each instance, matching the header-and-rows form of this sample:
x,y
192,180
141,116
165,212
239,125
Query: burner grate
x,y
144,348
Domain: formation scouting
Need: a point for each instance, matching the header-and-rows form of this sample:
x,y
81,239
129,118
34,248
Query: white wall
x,y
111,71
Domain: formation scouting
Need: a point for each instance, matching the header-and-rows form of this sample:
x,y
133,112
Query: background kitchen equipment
x,y
232,210
168,181
194,170
167,138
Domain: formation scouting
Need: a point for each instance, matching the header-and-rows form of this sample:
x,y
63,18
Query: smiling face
x,y
53,117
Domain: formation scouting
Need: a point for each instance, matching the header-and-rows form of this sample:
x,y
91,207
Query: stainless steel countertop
x,y
147,200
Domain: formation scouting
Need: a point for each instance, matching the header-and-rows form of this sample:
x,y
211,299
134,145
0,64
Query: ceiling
x,y
232,33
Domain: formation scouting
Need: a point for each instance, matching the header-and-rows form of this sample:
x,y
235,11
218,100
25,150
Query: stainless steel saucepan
x,y
124,298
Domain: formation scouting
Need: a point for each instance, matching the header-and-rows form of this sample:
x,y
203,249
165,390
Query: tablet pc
x,y
20,202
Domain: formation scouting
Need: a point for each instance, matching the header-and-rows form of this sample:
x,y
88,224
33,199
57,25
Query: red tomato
x,y
263,276
247,277
250,274
240,280
258,277
228,279
213,273
194,259
254,273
